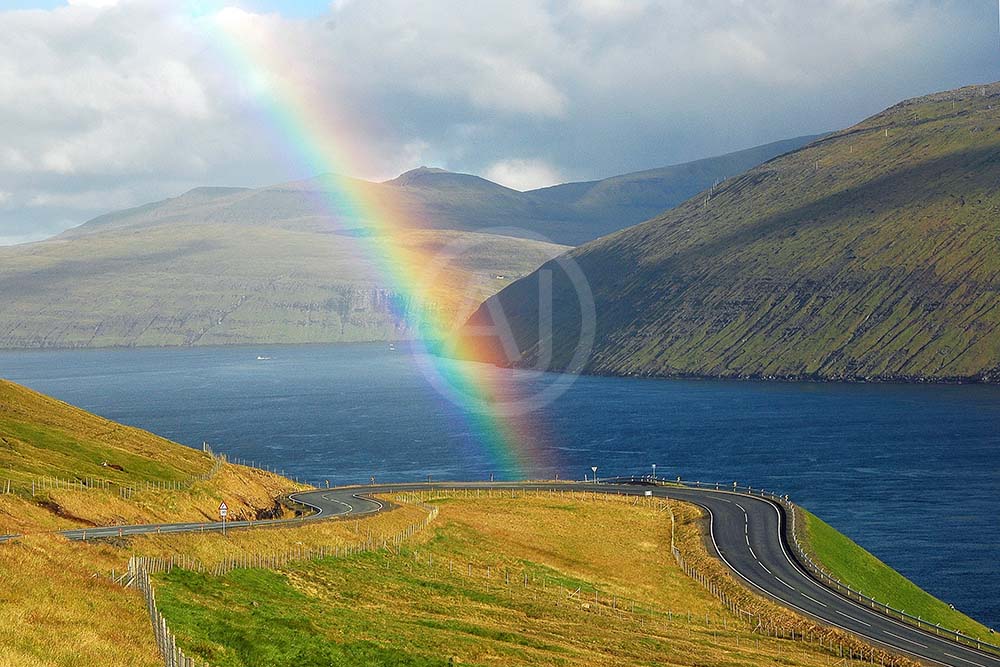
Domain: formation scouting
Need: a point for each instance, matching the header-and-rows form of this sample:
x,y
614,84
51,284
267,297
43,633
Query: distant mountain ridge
x,y
432,198
641,195
295,262
870,254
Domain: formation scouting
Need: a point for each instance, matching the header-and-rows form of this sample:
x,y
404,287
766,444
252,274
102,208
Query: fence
x,y
138,577
831,641
845,649
126,490
793,530
141,567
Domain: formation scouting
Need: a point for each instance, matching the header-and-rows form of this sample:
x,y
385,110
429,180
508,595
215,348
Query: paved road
x,y
747,533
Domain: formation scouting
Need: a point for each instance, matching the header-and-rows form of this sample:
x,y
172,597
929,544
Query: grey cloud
x,y
103,108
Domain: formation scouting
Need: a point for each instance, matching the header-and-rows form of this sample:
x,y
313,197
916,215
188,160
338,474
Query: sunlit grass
x,y
862,571
458,594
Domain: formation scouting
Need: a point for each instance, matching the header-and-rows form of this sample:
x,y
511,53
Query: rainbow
x,y
311,135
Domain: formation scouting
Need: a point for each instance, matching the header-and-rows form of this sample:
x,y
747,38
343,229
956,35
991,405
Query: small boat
x,y
260,358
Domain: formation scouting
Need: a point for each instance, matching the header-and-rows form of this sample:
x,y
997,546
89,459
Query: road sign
x,y
223,512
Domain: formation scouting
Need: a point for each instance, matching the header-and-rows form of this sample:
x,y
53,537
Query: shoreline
x,y
983,379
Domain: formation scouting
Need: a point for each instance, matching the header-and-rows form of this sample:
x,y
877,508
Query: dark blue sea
x,y
910,472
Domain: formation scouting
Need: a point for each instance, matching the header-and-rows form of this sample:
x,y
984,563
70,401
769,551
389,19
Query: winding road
x,y
747,533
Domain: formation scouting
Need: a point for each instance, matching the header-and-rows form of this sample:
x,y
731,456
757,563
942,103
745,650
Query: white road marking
x,y
856,620
339,502
774,506
909,641
784,582
812,598
753,554
964,660
858,606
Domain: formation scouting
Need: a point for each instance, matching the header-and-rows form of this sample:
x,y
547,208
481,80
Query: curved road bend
x,y
747,533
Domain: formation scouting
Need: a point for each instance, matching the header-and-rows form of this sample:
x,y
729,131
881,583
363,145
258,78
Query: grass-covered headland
x,y
854,566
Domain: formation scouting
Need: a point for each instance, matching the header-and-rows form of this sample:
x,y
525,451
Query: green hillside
x,y
868,254
43,437
62,467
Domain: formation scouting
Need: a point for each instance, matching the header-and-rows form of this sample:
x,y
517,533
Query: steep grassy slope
x,y
94,459
862,571
56,607
869,254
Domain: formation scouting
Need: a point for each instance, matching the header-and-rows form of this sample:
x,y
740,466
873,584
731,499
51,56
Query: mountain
x,y
614,203
571,213
869,254
296,262
236,270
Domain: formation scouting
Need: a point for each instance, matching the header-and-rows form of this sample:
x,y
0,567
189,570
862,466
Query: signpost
x,y
594,470
223,512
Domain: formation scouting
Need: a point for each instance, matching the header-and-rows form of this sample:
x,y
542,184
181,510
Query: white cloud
x,y
100,4
105,103
523,174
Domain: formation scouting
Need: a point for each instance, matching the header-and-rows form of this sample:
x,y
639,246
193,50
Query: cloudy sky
x,y
111,103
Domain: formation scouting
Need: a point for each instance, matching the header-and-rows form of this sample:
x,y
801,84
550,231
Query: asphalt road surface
x,y
747,533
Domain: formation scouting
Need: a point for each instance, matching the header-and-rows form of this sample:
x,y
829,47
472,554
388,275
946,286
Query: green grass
x,y
260,617
425,606
862,571
43,440
256,617
40,436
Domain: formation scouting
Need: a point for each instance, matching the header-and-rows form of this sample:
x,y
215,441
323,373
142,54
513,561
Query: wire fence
x,y
140,569
796,539
833,642
795,527
40,485
842,649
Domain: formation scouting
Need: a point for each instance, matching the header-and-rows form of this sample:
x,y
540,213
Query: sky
x,y
106,104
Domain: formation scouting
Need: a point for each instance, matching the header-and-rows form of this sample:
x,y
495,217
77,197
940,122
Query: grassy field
x,y
546,579
495,581
57,607
864,572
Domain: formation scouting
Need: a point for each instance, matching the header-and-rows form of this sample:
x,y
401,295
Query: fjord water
x,y
911,472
